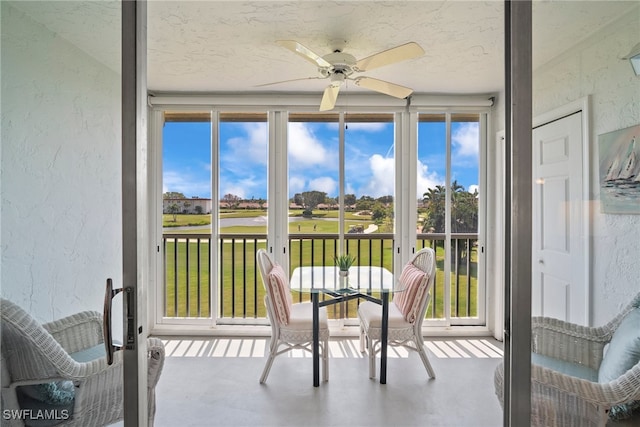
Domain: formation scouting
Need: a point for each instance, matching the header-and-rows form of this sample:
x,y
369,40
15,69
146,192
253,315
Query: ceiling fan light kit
x,y
339,67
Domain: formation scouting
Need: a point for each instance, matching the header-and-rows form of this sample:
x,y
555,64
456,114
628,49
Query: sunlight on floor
x,y
480,348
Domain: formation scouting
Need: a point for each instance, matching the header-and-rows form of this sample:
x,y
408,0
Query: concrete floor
x,y
214,382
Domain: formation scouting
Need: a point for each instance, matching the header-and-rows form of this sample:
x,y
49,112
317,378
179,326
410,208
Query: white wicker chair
x,y
400,332
299,332
562,400
34,353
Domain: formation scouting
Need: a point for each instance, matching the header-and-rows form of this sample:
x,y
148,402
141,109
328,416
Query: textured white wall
x,y
61,176
593,68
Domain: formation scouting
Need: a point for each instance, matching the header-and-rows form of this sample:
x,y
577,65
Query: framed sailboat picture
x,y
620,171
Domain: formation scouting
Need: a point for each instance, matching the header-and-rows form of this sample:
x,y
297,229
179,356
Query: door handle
x,y
106,321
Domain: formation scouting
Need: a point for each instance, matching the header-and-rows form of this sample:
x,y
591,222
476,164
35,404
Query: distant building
x,y
244,204
187,206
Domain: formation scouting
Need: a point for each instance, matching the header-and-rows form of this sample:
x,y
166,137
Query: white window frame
x,y
277,110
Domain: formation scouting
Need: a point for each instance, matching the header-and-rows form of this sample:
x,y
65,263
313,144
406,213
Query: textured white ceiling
x,y
234,48
229,46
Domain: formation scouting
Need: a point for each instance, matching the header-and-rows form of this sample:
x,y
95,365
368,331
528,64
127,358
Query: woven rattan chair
x,y
296,331
35,354
401,332
562,400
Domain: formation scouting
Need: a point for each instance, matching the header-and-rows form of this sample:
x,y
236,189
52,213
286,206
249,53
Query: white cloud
x,y
348,189
466,140
252,147
245,188
383,178
426,179
474,187
382,173
243,161
296,184
236,190
325,184
366,127
305,149
186,184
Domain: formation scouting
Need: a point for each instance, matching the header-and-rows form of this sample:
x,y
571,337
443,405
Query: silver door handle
x,y
106,321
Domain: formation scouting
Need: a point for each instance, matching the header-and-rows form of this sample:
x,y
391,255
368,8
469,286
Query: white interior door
x,y
559,287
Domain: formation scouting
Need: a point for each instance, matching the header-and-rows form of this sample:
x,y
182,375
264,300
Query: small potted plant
x,y
343,262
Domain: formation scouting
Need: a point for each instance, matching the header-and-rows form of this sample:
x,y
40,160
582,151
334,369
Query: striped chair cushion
x,y
279,294
413,281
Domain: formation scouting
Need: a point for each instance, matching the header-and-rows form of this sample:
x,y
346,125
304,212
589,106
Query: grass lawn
x,y
184,220
306,224
242,293
250,213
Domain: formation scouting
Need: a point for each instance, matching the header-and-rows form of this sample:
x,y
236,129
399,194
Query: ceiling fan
x,y
339,67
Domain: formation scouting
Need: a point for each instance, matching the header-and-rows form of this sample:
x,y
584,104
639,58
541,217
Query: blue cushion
x,y
624,349
43,414
623,354
89,354
54,393
564,367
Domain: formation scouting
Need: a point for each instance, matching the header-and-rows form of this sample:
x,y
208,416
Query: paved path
x,y
260,220
372,228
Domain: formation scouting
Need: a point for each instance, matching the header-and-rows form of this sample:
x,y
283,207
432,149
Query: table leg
x,y
316,340
384,337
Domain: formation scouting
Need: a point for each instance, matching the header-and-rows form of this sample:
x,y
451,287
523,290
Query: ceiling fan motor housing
x,y
342,66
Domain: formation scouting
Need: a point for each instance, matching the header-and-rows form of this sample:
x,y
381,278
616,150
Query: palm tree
x,y
434,200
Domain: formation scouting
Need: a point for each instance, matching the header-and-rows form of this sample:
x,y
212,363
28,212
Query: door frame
x,y
580,105
135,212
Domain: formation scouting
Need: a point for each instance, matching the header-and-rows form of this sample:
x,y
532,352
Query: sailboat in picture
x,y
620,171
626,166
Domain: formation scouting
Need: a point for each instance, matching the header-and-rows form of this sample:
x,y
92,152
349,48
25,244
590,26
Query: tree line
x,y
464,206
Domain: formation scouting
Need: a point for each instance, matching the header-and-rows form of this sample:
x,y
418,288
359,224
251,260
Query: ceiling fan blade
x,y
395,54
292,80
381,86
329,98
304,51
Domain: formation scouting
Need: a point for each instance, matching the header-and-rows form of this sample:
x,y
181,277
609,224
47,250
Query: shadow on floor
x,y
214,382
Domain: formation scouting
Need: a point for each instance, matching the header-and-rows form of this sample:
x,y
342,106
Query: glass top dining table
x,y
327,278
362,282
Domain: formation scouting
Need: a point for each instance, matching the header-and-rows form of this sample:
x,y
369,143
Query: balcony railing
x,y
188,290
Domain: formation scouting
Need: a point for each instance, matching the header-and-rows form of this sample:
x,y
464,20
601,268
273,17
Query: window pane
x,y
431,188
187,206
243,173
242,184
465,179
370,188
313,188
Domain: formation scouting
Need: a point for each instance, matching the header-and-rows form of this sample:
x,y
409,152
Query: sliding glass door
x,y
186,215
310,186
449,197
241,215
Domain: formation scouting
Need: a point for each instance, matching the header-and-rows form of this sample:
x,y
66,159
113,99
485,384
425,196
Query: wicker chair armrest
x,y
78,331
624,389
155,363
88,370
568,341
57,365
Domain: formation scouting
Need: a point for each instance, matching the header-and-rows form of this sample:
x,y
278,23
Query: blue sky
x,y
313,158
